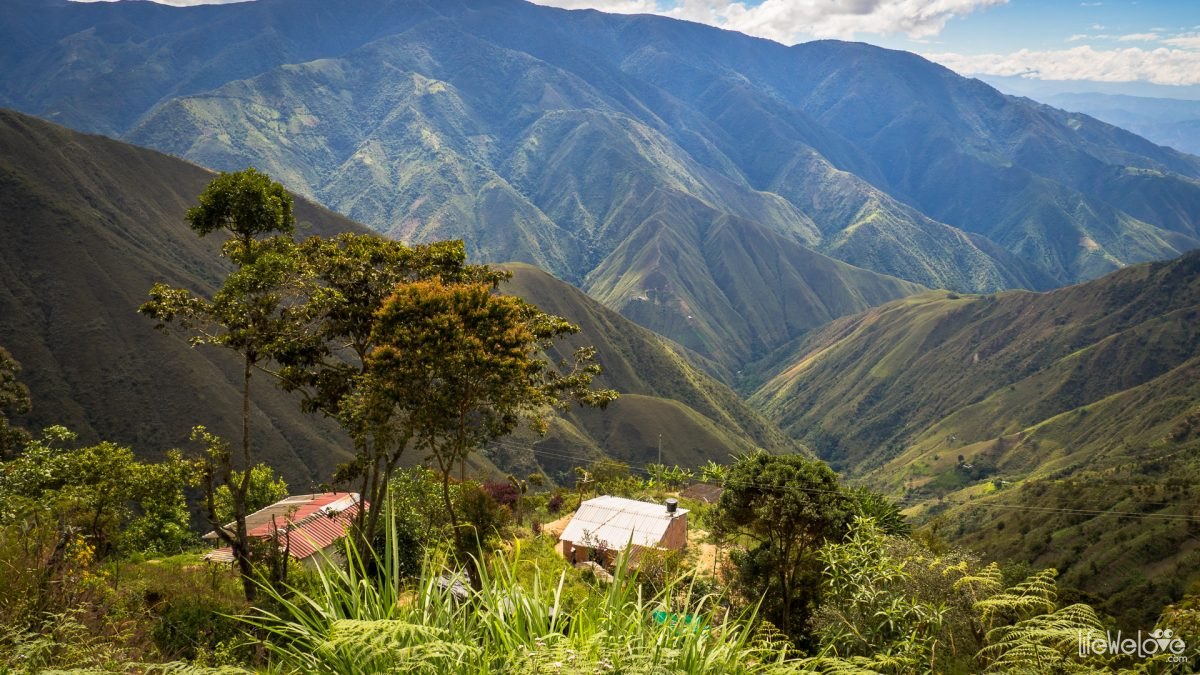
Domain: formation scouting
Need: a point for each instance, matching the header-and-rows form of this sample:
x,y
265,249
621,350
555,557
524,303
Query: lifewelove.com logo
x,y
1159,642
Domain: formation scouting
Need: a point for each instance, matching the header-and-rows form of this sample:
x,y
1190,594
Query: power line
x,y
911,500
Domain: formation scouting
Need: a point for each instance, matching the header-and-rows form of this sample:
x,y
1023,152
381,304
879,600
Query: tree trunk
x,y
241,548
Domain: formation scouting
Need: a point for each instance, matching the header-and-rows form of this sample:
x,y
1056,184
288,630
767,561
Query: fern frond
x,y
1037,594
1043,643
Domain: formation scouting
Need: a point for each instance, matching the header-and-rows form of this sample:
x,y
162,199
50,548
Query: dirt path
x,y
706,553
555,528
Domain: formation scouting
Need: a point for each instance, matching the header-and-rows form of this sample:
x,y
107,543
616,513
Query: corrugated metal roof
x,y
294,508
617,521
310,522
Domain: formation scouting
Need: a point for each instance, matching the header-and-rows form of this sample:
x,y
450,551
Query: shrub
x,y
189,627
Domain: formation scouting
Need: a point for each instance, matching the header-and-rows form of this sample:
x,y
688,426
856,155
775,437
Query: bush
x,y
503,493
189,627
482,513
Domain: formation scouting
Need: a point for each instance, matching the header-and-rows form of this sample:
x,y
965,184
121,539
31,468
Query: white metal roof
x,y
617,521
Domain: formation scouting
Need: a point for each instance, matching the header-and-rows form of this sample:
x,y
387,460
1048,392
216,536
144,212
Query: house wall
x,y
675,538
584,554
331,554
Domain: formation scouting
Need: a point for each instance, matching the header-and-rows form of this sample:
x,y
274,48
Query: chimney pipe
x,y
672,504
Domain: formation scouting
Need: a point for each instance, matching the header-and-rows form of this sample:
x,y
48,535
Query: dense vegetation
x,y
877,603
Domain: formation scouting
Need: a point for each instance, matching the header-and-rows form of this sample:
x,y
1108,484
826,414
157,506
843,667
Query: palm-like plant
x,y
355,622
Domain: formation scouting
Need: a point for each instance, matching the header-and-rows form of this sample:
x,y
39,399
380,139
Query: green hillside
x,y
1166,121
661,392
89,224
994,413
446,120
525,161
92,223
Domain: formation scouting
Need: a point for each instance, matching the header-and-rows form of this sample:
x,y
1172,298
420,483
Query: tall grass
x,y
354,621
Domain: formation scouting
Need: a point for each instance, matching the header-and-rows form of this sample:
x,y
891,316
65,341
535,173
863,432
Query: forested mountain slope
x,y
90,224
609,149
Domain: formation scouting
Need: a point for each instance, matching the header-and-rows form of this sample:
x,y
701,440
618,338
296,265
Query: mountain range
x,y
633,156
91,223
1166,121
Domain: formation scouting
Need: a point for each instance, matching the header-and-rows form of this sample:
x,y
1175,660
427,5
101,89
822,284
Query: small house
x,y
307,526
605,526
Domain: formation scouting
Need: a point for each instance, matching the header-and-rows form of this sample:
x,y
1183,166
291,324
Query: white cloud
x,y
1139,37
1160,66
1186,41
790,21
1077,37
1091,4
1098,26
613,6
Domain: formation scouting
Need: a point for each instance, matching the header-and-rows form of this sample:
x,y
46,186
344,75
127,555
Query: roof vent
x,y
672,504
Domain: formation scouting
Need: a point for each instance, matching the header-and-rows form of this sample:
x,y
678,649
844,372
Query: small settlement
x,y
605,526
306,526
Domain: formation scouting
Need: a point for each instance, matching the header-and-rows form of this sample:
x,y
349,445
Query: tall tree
x,y
250,314
14,400
783,509
462,366
351,276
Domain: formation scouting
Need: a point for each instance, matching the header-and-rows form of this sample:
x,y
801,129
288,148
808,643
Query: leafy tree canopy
x,y
14,400
97,490
346,280
265,489
246,204
461,366
782,509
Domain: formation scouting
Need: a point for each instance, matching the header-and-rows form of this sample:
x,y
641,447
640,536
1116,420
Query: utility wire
x,y
911,500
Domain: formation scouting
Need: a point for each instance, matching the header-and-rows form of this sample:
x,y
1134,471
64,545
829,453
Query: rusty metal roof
x,y
310,523
617,522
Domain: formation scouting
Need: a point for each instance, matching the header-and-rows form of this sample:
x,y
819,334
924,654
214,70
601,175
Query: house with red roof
x,y
306,526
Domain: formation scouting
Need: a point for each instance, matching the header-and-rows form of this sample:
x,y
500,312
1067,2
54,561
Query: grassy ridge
x,y
983,412
526,161
434,120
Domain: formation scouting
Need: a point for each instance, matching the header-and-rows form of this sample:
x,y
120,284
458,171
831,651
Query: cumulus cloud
x,y
612,6
1139,37
1160,66
1186,41
791,21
